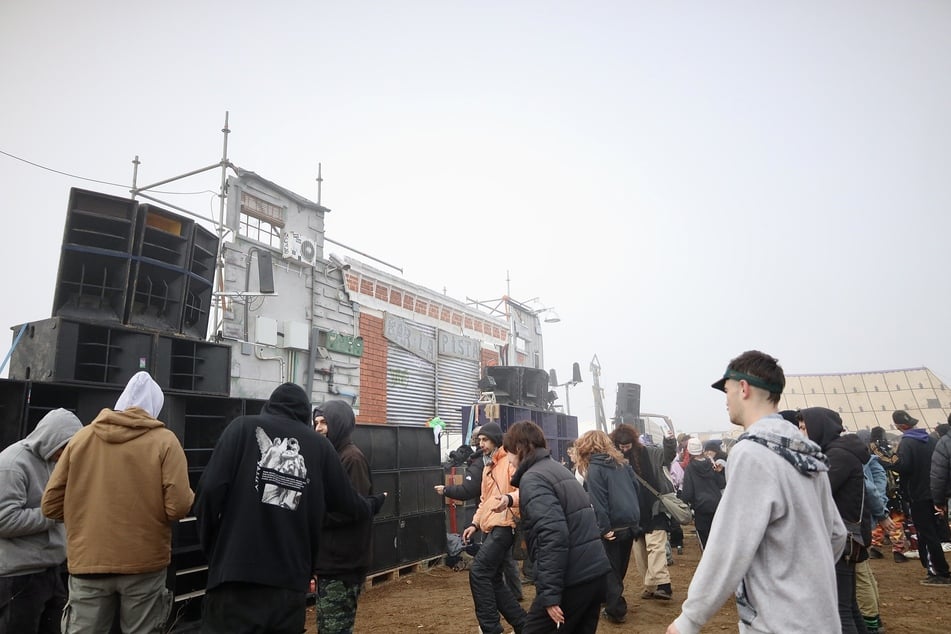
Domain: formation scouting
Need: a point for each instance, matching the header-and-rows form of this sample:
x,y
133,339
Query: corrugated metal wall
x,y
458,386
410,385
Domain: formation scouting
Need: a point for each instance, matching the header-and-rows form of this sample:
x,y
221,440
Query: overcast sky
x,y
681,181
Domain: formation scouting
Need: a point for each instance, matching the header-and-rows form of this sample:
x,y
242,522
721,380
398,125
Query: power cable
x,y
93,180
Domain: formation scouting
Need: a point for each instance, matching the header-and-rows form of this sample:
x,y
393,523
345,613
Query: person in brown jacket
x,y
118,487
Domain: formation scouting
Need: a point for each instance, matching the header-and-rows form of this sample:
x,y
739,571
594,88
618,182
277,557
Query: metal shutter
x,y
458,386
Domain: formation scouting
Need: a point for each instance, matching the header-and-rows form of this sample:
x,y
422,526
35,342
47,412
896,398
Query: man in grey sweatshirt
x,y
32,547
777,534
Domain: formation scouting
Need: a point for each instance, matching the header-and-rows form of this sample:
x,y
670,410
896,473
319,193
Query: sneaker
x,y
680,550
912,554
612,619
875,553
899,558
935,580
670,561
663,592
946,547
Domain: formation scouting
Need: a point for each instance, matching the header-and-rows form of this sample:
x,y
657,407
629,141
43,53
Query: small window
x,y
897,387
933,403
861,409
835,390
260,220
855,390
876,388
813,390
921,385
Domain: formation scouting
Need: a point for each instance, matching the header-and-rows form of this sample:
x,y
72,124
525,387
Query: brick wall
x,y
372,371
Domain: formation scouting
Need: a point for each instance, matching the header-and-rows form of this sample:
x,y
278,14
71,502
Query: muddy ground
x,y
437,600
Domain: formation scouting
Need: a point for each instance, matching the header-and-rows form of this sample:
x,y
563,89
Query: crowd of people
x,y
286,500
793,482
86,516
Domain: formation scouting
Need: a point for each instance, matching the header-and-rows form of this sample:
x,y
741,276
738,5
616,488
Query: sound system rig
x,y
404,462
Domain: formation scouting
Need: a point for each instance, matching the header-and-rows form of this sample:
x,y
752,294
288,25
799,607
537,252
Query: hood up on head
x,y
143,392
52,433
823,425
289,401
340,422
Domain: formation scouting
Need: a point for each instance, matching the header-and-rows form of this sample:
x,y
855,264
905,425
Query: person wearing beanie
x,y
32,547
703,488
496,517
912,462
119,520
260,511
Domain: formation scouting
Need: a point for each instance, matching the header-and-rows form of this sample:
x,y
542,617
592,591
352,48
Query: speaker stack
x,y
404,462
133,292
518,385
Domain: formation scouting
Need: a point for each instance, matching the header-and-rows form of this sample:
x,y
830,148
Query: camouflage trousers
x,y
336,605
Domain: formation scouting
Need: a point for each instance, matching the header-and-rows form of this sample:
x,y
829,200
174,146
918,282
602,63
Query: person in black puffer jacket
x,y
571,567
704,482
847,457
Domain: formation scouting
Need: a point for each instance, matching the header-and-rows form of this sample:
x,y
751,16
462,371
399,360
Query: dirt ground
x,y
437,600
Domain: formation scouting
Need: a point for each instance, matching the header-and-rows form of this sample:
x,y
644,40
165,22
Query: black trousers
x,y
32,603
703,522
619,554
581,605
849,615
242,608
490,594
929,543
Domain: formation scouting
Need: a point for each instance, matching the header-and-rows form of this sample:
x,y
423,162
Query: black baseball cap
x,y
901,417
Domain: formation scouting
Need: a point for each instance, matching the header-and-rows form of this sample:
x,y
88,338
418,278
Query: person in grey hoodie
x,y
777,534
32,547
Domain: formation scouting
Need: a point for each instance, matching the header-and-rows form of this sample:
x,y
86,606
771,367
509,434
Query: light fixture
x,y
551,317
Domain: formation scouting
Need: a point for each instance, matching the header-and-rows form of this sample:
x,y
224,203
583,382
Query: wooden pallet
x,y
385,576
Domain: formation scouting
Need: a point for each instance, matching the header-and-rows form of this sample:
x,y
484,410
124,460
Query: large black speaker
x,y
517,385
388,481
198,288
95,258
58,349
422,536
12,404
141,265
194,366
417,494
628,408
385,545
534,388
417,448
379,444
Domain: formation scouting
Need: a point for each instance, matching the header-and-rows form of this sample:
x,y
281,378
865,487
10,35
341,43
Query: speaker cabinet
x,y
416,491
535,387
388,481
12,407
508,384
198,288
194,366
416,448
628,408
385,545
379,444
95,260
58,349
422,536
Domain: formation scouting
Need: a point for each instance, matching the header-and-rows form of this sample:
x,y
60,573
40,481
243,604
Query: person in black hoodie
x,y
260,508
345,544
847,457
703,487
912,462
571,567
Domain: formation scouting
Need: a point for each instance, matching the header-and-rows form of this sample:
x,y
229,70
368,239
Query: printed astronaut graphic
x,y
281,473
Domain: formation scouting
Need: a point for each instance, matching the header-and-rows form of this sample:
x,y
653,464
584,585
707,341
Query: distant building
x,y
867,399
